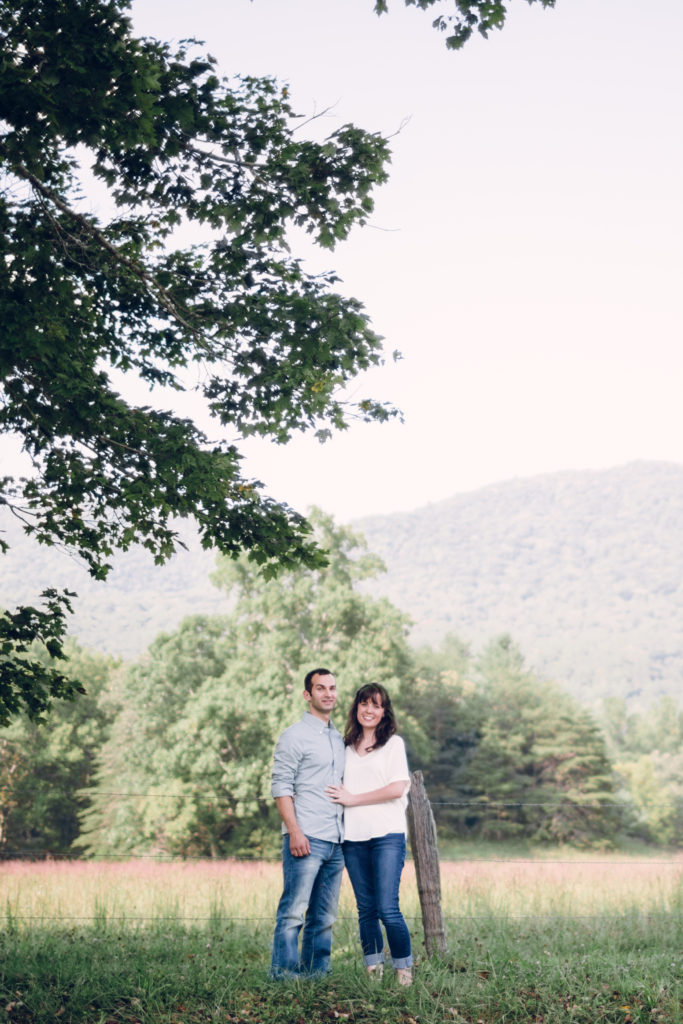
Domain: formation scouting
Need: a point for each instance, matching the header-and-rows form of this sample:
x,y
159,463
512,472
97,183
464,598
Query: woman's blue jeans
x,y
309,900
375,867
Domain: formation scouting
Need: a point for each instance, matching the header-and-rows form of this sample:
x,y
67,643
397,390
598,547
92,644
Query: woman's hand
x,y
392,791
340,795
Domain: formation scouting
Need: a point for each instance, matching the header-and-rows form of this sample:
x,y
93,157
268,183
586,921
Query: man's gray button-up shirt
x,y
308,757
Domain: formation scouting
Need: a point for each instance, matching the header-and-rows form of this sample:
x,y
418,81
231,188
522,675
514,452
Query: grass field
x,y
568,937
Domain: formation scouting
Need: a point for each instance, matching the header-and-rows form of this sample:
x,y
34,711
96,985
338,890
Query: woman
x,y
375,795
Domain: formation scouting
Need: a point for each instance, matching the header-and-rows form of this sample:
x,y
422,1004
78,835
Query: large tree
x,y
540,770
177,152
266,347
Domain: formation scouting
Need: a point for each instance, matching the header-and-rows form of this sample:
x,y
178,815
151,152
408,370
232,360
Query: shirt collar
x,y
315,723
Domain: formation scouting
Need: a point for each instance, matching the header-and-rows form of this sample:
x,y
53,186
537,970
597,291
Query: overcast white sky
x,y
526,254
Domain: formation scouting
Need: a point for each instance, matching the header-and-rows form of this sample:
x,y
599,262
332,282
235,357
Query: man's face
x,y
323,695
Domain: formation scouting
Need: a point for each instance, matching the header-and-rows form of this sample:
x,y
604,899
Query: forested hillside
x,y
583,569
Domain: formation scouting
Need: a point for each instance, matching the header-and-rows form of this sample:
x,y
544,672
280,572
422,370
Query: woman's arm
x,y
340,795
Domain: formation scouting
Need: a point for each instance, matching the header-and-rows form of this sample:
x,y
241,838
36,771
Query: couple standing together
x,y
327,823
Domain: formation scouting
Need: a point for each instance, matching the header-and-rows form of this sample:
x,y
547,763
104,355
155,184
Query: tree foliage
x,y
28,681
470,16
187,768
451,710
513,757
647,748
45,767
541,769
268,348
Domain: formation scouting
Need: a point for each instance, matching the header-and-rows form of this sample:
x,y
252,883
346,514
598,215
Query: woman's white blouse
x,y
373,771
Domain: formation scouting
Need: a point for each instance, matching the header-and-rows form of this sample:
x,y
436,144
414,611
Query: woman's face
x,y
370,711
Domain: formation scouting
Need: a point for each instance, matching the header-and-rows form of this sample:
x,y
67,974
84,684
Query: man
x,y
308,757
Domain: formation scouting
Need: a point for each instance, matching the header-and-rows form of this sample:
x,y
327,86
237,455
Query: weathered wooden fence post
x,y
422,831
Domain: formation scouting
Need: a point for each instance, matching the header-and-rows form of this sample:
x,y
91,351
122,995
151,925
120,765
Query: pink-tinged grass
x,y
611,885
143,890
139,890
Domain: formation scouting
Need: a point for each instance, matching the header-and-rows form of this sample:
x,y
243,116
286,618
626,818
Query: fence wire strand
x,y
46,856
30,853
229,918
595,805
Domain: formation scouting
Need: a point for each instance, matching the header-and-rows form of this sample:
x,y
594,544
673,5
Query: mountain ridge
x,y
582,567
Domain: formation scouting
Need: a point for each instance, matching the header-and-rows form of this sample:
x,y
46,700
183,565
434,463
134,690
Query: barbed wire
x,y
480,805
228,919
594,805
46,856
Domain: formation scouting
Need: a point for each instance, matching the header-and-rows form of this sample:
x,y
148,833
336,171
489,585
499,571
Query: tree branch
x,y
158,290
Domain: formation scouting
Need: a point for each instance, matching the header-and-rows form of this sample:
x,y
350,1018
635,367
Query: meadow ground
x,y
563,937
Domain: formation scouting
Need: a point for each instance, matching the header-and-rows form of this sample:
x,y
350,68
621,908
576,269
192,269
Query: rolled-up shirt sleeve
x,y
285,765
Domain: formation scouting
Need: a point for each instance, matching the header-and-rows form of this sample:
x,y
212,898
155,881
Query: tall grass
x,y
571,940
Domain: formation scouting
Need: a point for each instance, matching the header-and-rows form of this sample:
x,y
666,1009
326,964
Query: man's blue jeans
x,y
375,867
309,900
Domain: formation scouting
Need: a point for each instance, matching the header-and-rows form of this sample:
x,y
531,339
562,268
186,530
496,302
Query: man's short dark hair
x,y
308,681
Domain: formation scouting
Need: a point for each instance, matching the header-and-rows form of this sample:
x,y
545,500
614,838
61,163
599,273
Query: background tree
x,y
647,748
265,346
540,769
45,767
203,710
658,727
654,783
134,794
451,712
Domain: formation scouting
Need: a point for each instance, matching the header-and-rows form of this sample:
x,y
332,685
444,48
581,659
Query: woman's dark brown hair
x,y
387,725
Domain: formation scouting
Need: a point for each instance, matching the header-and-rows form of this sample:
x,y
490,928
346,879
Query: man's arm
x,y
299,845
286,763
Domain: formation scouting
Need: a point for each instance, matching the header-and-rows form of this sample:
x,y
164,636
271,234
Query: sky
x,y
525,256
